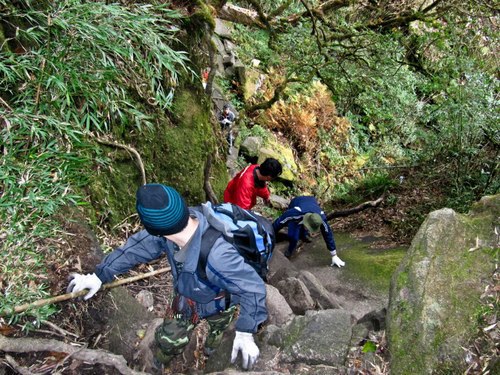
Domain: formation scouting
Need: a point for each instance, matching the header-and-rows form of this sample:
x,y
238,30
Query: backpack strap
x,y
207,242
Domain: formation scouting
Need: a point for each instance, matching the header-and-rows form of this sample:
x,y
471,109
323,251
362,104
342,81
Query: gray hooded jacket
x,y
226,271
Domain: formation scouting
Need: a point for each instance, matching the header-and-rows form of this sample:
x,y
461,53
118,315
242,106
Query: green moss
x,y
402,279
294,331
367,265
177,154
173,154
200,19
417,366
113,189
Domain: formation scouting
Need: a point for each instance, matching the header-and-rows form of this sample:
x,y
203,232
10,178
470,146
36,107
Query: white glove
x,y
249,351
80,282
336,261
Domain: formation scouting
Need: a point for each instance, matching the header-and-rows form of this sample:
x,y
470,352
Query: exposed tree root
x,y
206,183
132,151
23,345
144,356
16,367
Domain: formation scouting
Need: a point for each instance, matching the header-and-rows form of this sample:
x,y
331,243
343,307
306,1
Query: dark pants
x,y
296,232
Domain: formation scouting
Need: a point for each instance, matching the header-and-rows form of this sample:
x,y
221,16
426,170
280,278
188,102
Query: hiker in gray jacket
x,y
176,230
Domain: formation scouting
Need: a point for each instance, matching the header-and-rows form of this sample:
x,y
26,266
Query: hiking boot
x,y
288,254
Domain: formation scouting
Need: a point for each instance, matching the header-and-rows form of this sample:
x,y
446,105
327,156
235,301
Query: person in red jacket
x,y
251,182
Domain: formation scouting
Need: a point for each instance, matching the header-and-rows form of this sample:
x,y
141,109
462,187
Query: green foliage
x,y
417,93
372,185
87,66
253,44
254,131
226,86
466,141
369,347
90,64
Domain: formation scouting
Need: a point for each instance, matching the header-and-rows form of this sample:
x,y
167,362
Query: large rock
x,y
280,268
251,81
255,147
284,155
251,146
125,317
278,202
223,28
435,291
323,298
278,310
319,337
296,294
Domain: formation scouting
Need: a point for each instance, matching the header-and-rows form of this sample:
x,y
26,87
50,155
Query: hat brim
x,y
309,228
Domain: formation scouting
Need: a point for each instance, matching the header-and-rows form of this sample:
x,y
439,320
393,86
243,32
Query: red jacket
x,y
241,190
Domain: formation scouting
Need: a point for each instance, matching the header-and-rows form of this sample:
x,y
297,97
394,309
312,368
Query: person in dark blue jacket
x,y
173,229
305,216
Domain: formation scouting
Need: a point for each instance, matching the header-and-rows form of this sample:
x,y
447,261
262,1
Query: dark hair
x,y
271,167
226,106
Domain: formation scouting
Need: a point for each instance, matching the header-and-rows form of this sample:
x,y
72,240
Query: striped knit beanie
x,y
161,209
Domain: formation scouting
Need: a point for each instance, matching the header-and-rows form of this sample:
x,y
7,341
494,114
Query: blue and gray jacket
x,y
226,271
292,218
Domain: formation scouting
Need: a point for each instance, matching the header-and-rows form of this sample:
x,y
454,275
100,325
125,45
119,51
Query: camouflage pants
x,y
217,325
174,334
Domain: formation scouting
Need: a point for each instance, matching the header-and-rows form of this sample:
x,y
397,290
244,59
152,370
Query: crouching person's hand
x,y
336,261
80,282
249,351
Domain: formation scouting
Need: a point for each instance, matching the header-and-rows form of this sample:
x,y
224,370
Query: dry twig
x,y
58,329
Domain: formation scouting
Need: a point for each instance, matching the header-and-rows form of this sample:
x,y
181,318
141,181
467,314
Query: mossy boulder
x,y
435,293
304,339
175,153
251,80
284,155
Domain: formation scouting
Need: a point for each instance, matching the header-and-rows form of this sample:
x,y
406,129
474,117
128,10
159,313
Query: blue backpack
x,y
253,237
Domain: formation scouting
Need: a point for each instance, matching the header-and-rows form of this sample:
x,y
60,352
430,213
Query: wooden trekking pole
x,y
63,297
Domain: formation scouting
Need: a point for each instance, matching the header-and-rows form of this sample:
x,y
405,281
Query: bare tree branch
x,y
64,297
325,7
16,366
350,211
405,18
313,21
269,103
278,11
240,15
262,16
